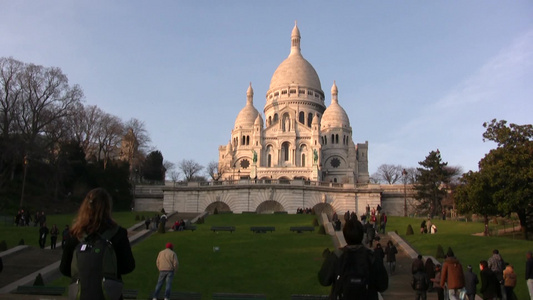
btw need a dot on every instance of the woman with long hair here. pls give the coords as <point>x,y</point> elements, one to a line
<point>94,218</point>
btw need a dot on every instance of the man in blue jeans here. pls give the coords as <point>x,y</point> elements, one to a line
<point>167,263</point>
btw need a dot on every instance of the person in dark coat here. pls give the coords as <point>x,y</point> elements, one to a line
<point>378,252</point>
<point>420,282</point>
<point>430,270</point>
<point>378,280</point>
<point>436,283</point>
<point>490,286</point>
<point>43,233</point>
<point>529,273</point>
<point>391,252</point>
<point>417,264</point>
<point>471,282</point>
<point>94,216</point>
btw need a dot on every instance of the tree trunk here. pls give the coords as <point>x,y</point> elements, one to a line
<point>522,216</point>
<point>486,231</point>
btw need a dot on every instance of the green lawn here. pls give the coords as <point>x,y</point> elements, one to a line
<point>281,263</point>
<point>13,234</point>
<point>468,249</point>
<point>277,264</point>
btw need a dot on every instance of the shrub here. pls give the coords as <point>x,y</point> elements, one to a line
<point>161,228</point>
<point>216,211</point>
<point>38,280</point>
<point>163,211</point>
<point>450,250</point>
<point>3,245</point>
<point>315,222</point>
<point>21,242</point>
<point>200,220</point>
<point>137,218</point>
<point>409,230</point>
<point>440,252</point>
<point>143,218</point>
<point>321,230</point>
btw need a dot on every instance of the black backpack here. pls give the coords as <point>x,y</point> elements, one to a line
<point>94,269</point>
<point>353,272</point>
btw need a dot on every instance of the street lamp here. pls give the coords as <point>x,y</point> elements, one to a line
<point>24,180</point>
<point>404,173</point>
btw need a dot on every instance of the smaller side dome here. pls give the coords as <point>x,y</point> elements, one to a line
<point>334,116</point>
<point>259,121</point>
<point>247,115</point>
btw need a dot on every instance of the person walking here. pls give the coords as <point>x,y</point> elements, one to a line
<point>452,276</point>
<point>342,266</point>
<point>529,273</point>
<point>54,232</point>
<point>65,235</point>
<point>167,263</point>
<point>496,264</point>
<point>509,278</point>
<point>490,286</point>
<point>436,283</point>
<point>383,218</point>
<point>43,232</point>
<point>471,282</point>
<point>420,282</point>
<point>390,252</point>
<point>94,218</point>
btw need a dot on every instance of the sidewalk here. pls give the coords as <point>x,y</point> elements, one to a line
<point>400,281</point>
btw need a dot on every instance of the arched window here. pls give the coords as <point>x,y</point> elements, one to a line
<point>269,163</point>
<point>336,139</point>
<point>333,139</point>
<point>247,140</point>
<point>303,159</point>
<point>301,117</point>
<point>285,149</point>
<point>243,140</point>
<point>309,119</point>
<point>275,117</point>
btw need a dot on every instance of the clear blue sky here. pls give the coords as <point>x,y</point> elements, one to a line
<point>413,76</point>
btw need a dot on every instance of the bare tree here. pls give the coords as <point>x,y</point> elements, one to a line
<point>174,176</point>
<point>46,97</point>
<point>140,133</point>
<point>10,93</point>
<point>388,173</point>
<point>409,175</point>
<point>169,167</point>
<point>213,171</point>
<point>189,168</point>
<point>109,136</point>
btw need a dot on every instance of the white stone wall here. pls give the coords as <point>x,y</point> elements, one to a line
<point>247,195</point>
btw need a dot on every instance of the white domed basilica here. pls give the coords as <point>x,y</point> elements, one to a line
<point>299,137</point>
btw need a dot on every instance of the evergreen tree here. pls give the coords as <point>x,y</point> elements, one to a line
<point>431,183</point>
<point>153,168</point>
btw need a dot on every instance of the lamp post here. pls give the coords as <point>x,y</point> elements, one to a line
<point>404,174</point>
<point>24,180</point>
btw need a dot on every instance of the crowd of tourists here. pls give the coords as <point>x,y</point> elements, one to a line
<point>497,279</point>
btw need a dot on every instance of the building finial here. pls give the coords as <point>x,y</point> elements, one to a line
<point>250,94</point>
<point>295,40</point>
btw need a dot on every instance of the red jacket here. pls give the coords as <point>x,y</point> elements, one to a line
<point>452,274</point>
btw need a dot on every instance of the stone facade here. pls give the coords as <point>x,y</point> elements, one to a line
<point>269,196</point>
<point>301,138</point>
<point>299,154</point>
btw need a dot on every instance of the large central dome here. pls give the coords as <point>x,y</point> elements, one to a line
<point>295,70</point>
